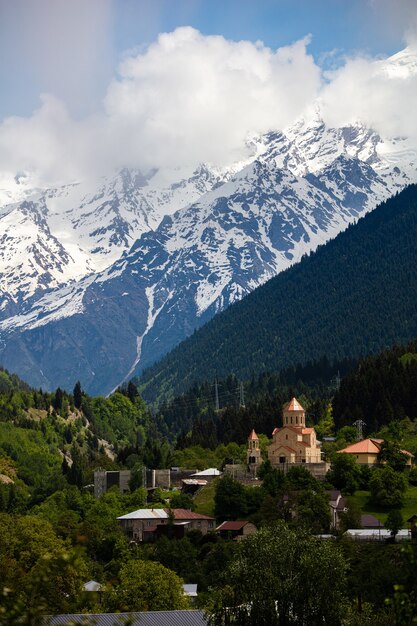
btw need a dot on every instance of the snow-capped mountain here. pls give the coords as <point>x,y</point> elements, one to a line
<point>55,236</point>
<point>223,234</point>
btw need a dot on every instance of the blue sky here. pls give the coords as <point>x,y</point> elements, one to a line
<point>44,43</point>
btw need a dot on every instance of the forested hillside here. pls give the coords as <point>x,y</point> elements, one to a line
<point>50,439</point>
<point>243,405</point>
<point>354,296</point>
<point>381,389</point>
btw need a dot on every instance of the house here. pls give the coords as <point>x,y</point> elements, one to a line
<point>194,521</point>
<point>366,452</point>
<point>236,530</point>
<point>141,525</point>
<point>412,521</point>
<point>294,442</point>
<point>148,618</point>
<point>338,505</point>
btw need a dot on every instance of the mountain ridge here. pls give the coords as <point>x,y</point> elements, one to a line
<point>359,285</point>
<point>299,190</point>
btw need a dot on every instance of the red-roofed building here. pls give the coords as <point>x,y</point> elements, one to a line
<point>144,524</point>
<point>366,452</point>
<point>236,530</point>
<point>294,442</point>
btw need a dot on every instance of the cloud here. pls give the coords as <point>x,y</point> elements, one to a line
<point>382,94</point>
<point>395,19</point>
<point>192,97</point>
<point>189,98</point>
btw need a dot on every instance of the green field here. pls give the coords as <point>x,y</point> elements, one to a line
<point>204,500</point>
<point>361,498</point>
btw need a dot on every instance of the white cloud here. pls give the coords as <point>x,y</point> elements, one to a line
<point>380,93</point>
<point>190,97</point>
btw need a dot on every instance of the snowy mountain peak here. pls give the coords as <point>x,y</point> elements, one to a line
<point>401,65</point>
<point>149,257</point>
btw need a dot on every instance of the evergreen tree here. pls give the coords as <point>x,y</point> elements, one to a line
<point>78,395</point>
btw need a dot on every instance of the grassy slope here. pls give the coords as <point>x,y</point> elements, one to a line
<point>409,508</point>
<point>204,500</point>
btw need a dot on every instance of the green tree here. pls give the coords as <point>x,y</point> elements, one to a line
<point>391,454</point>
<point>58,399</point>
<point>37,567</point>
<point>147,586</point>
<point>345,473</point>
<point>387,487</point>
<point>282,577</point>
<point>394,521</point>
<point>230,499</point>
<point>78,395</point>
<point>182,501</point>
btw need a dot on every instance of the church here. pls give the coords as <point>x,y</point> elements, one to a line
<point>293,443</point>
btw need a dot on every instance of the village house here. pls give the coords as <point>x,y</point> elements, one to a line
<point>338,505</point>
<point>237,530</point>
<point>366,452</point>
<point>141,525</point>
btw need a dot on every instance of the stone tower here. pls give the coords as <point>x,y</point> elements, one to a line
<point>253,454</point>
<point>293,414</point>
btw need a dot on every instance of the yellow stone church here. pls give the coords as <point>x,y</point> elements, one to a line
<point>292,443</point>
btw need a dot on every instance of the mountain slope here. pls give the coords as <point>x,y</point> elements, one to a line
<point>247,225</point>
<point>354,296</point>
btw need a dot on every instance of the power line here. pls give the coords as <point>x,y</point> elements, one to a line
<point>241,396</point>
<point>216,396</point>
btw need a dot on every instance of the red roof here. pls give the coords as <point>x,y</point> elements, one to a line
<point>238,525</point>
<point>368,446</point>
<point>293,405</point>
<point>253,435</point>
<point>185,514</point>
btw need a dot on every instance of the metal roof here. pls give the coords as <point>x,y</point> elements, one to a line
<point>150,618</point>
<point>146,514</point>
<point>293,405</point>
<point>211,471</point>
<point>92,585</point>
